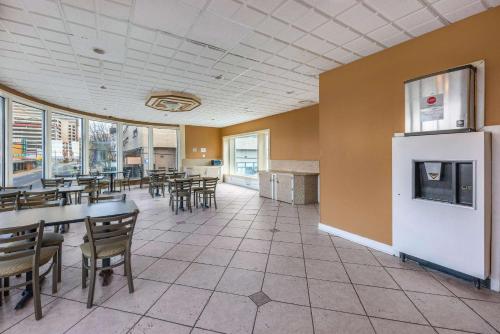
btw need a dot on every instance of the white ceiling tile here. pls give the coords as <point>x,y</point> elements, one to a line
<point>384,33</point>
<point>48,22</point>
<point>113,25</point>
<point>397,39</point>
<point>363,46</point>
<point>314,44</point>
<point>361,19</point>
<point>415,19</point>
<point>335,33</point>
<point>289,35</point>
<point>311,20</point>
<point>465,11</point>
<point>272,26</point>
<point>80,16</point>
<point>224,8</point>
<point>341,55</point>
<point>114,9</point>
<point>426,27</point>
<point>332,7</point>
<point>395,9</point>
<point>248,16</point>
<point>266,6</point>
<point>290,11</point>
<point>48,8</point>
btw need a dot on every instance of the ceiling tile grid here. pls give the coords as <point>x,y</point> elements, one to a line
<point>245,59</point>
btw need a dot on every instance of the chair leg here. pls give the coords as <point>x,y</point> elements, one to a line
<point>215,202</point>
<point>177,205</point>
<point>129,273</point>
<point>90,299</point>
<point>6,284</point>
<point>59,264</point>
<point>36,293</point>
<point>84,272</point>
<point>55,272</point>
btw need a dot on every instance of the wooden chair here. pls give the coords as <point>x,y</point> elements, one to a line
<point>124,181</point>
<point>20,188</point>
<point>108,198</point>
<point>90,184</point>
<point>208,191</point>
<point>172,170</point>
<point>181,191</point>
<point>21,252</point>
<point>8,202</point>
<point>108,237</point>
<point>140,178</point>
<point>52,183</point>
<point>50,239</point>
<point>156,183</point>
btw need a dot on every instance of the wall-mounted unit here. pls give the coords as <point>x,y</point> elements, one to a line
<point>442,200</point>
<point>441,102</point>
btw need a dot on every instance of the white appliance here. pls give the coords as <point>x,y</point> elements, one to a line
<point>440,220</point>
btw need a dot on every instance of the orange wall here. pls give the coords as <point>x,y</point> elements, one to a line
<point>201,136</point>
<point>294,135</point>
<point>362,105</point>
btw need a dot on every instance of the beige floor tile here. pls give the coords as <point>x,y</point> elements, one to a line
<point>320,253</point>
<point>418,281</point>
<point>203,276</point>
<point>187,228</point>
<point>225,242</point>
<point>259,234</point>
<point>344,243</point>
<point>254,245</point>
<point>394,261</point>
<point>389,304</point>
<point>101,293</point>
<point>144,296</point>
<point>263,225</point>
<point>234,232</point>
<point>326,270</point>
<point>331,322</point>
<point>184,252</point>
<point>228,314</point>
<point>250,261</point>
<point>384,326</point>
<point>105,320</point>
<point>202,331</point>
<point>164,270</point>
<point>488,311</point>
<point>198,239</point>
<point>279,318</point>
<point>317,240</point>
<point>154,248</point>
<point>287,237</point>
<point>210,230</point>
<point>370,275</point>
<point>286,265</point>
<point>284,227</point>
<point>241,281</point>
<point>215,256</point>
<point>286,249</point>
<point>171,236</point>
<point>154,326</point>
<point>52,321</point>
<point>358,256</point>
<point>148,234</point>
<point>180,304</point>
<point>139,264</point>
<point>286,289</point>
<point>334,296</point>
<point>449,312</point>
<point>240,223</point>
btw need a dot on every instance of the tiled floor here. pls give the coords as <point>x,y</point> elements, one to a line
<point>254,266</point>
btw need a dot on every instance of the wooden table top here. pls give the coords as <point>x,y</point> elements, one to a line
<point>65,214</point>
<point>60,189</point>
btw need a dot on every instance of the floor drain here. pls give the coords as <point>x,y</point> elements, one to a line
<point>260,298</point>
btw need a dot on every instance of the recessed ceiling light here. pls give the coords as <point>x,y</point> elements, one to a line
<point>290,92</point>
<point>103,87</point>
<point>213,119</point>
<point>99,51</point>
<point>218,77</point>
<point>105,108</point>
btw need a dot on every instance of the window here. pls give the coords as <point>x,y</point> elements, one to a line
<point>27,145</point>
<point>246,154</point>
<point>165,148</point>
<point>135,150</point>
<point>102,146</point>
<point>2,146</point>
<point>66,145</point>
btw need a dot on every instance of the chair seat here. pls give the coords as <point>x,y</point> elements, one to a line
<point>197,188</point>
<point>52,239</point>
<point>25,264</point>
<point>105,251</point>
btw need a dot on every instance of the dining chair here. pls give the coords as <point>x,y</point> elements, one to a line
<point>108,198</point>
<point>108,237</point>
<point>31,199</point>
<point>156,183</point>
<point>90,184</point>
<point>20,188</point>
<point>181,191</point>
<point>22,252</point>
<point>52,183</point>
<point>208,192</point>
<point>50,239</point>
<point>8,202</point>
<point>124,181</point>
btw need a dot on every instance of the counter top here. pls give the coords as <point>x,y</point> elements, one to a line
<point>289,172</point>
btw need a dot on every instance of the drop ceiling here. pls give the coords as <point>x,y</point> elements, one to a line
<point>244,59</point>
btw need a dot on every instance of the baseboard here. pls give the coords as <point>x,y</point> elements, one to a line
<point>357,239</point>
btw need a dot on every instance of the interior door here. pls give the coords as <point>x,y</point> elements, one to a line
<point>284,187</point>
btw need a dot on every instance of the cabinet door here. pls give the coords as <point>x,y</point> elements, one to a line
<point>265,185</point>
<point>284,187</point>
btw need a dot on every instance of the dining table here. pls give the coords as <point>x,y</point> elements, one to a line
<point>111,175</point>
<point>57,215</point>
<point>65,191</point>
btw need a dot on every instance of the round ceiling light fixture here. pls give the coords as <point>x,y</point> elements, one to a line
<point>173,101</point>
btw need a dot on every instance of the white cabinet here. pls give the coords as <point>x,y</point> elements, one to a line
<point>266,184</point>
<point>284,187</point>
<point>289,187</point>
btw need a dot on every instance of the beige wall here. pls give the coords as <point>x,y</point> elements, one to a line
<point>362,105</point>
<point>294,135</point>
<point>201,136</point>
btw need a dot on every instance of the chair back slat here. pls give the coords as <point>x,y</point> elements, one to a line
<point>9,202</point>
<point>52,183</point>
<point>210,183</point>
<point>107,198</point>
<point>183,185</point>
<point>18,242</point>
<point>49,195</point>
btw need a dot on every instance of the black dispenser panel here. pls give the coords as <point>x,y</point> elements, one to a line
<point>444,181</point>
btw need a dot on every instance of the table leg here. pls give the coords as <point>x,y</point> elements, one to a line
<point>182,203</point>
<point>27,293</point>
<point>107,273</point>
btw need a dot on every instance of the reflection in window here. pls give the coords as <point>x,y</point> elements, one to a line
<point>27,145</point>
<point>2,147</point>
<point>66,144</point>
<point>245,157</point>
<point>102,146</point>
<point>165,148</point>
<point>135,150</point>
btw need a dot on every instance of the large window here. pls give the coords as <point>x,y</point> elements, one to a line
<point>27,144</point>
<point>165,148</point>
<point>2,146</point>
<point>102,146</point>
<point>135,150</point>
<point>246,154</point>
<point>66,145</point>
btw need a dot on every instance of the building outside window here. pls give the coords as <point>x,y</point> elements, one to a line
<point>2,146</point>
<point>135,150</point>
<point>66,145</point>
<point>27,145</point>
<point>165,148</point>
<point>246,154</point>
<point>102,146</point>
<point>246,157</point>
